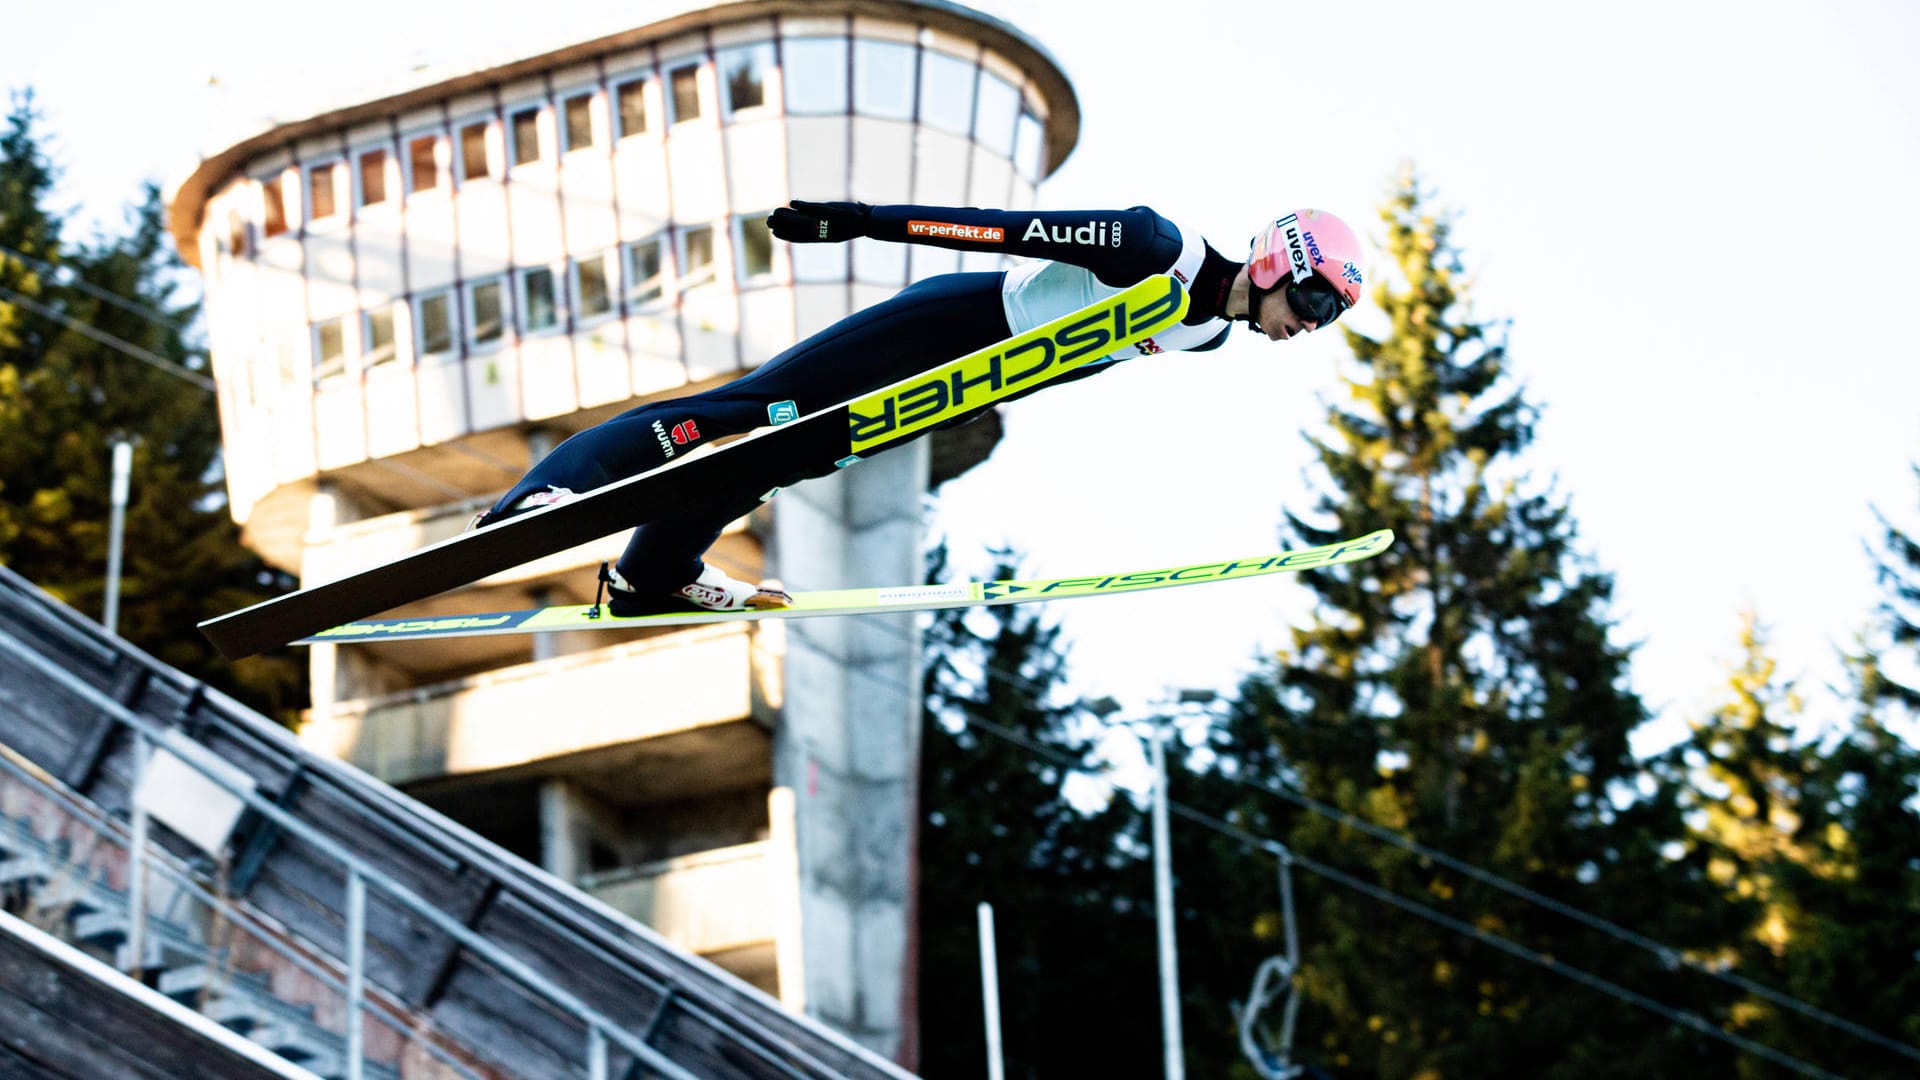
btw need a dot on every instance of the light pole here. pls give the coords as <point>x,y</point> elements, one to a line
<point>990,992</point>
<point>1158,731</point>
<point>1163,910</point>
<point>122,473</point>
<point>1176,1066</point>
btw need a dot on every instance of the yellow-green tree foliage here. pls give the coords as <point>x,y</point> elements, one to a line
<point>1464,689</point>
<point>65,398</point>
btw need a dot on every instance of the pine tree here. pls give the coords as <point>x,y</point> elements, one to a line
<point>1898,567</point>
<point>66,396</point>
<point>1849,904</point>
<point>1847,889</point>
<point>1072,898</point>
<point>27,229</point>
<point>1751,775</point>
<point>1463,688</point>
<point>1747,776</point>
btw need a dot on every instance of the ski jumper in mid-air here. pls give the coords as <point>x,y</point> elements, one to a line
<point>1302,272</point>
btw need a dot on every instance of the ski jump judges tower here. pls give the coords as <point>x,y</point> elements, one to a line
<point>412,297</point>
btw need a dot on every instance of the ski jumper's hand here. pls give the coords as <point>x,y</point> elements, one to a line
<point>820,223</point>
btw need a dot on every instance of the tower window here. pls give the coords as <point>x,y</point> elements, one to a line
<point>686,92</point>
<point>423,163</point>
<point>526,136</point>
<point>579,115</point>
<point>473,151</point>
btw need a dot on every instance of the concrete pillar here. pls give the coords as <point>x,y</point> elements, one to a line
<point>783,866</point>
<point>566,828</point>
<point>848,746</point>
<point>327,509</point>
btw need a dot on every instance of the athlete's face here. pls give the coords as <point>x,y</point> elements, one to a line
<point>1278,320</point>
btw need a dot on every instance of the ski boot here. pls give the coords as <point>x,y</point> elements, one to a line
<point>713,590</point>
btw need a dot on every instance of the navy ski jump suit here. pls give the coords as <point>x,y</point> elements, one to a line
<point>1087,255</point>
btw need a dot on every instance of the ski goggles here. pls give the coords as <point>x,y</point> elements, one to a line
<point>1315,300</point>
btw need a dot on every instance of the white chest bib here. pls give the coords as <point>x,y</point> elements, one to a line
<point>1040,292</point>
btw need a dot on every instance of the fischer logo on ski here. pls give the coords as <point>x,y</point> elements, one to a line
<point>423,627</point>
<point>1037,356</point>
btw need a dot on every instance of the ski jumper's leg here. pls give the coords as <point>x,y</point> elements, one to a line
<point>927,323</point>
<point>634,442</point>
<point>922,325</point>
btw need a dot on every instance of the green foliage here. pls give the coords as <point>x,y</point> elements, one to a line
<point>26,180</point>
<point>65,398</point>
<point>1815,842</point>
<point>1851,886</point>
<point>1463,688</point>
<point>1898,569</point>
<point>1822,836</point>
<point>1072,908</point>
<point>1744,776</point>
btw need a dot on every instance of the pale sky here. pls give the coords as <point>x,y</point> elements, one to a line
<point>1696,215</point>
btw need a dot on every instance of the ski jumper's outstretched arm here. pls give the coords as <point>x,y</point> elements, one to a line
<point>1098,250</point>
<point>1119,247</point>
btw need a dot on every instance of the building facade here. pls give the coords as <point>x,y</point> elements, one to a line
<point>410,299</point>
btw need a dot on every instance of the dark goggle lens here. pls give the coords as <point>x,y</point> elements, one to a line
<point>1315,301</point>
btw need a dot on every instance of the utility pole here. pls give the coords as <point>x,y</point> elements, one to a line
<point>990,992</point>
<point>122,474</point>
<point>1163,910</point>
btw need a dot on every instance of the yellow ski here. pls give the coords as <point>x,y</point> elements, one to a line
<point>862,601</point>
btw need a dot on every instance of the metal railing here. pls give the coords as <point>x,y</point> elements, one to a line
<point>149,734</point>
<point>148,933</point>
<point>688,1007</point>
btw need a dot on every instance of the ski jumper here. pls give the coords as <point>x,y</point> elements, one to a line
<point>1084,256</point>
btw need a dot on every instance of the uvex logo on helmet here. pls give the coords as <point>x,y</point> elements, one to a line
<point>1289,228</point>
<point>1313,249</point>
<point>1306,243</point>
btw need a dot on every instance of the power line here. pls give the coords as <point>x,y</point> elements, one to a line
<point>1667,954</point>
<point>143,355</point>
<point>1414,907</point>
<point>75,281</point>
<point>1607,986</point>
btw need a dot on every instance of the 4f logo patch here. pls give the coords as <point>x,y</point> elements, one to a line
<point>684,433</point>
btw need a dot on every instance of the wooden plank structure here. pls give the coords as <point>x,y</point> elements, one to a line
<point>63,1014</point>
<point>66,692</point>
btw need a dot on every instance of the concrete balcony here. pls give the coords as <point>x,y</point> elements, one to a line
<point>704,693</point>
<point>731,905</point>
<point>709,902</point>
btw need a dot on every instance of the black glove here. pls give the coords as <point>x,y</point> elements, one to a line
<point>820,223</point>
